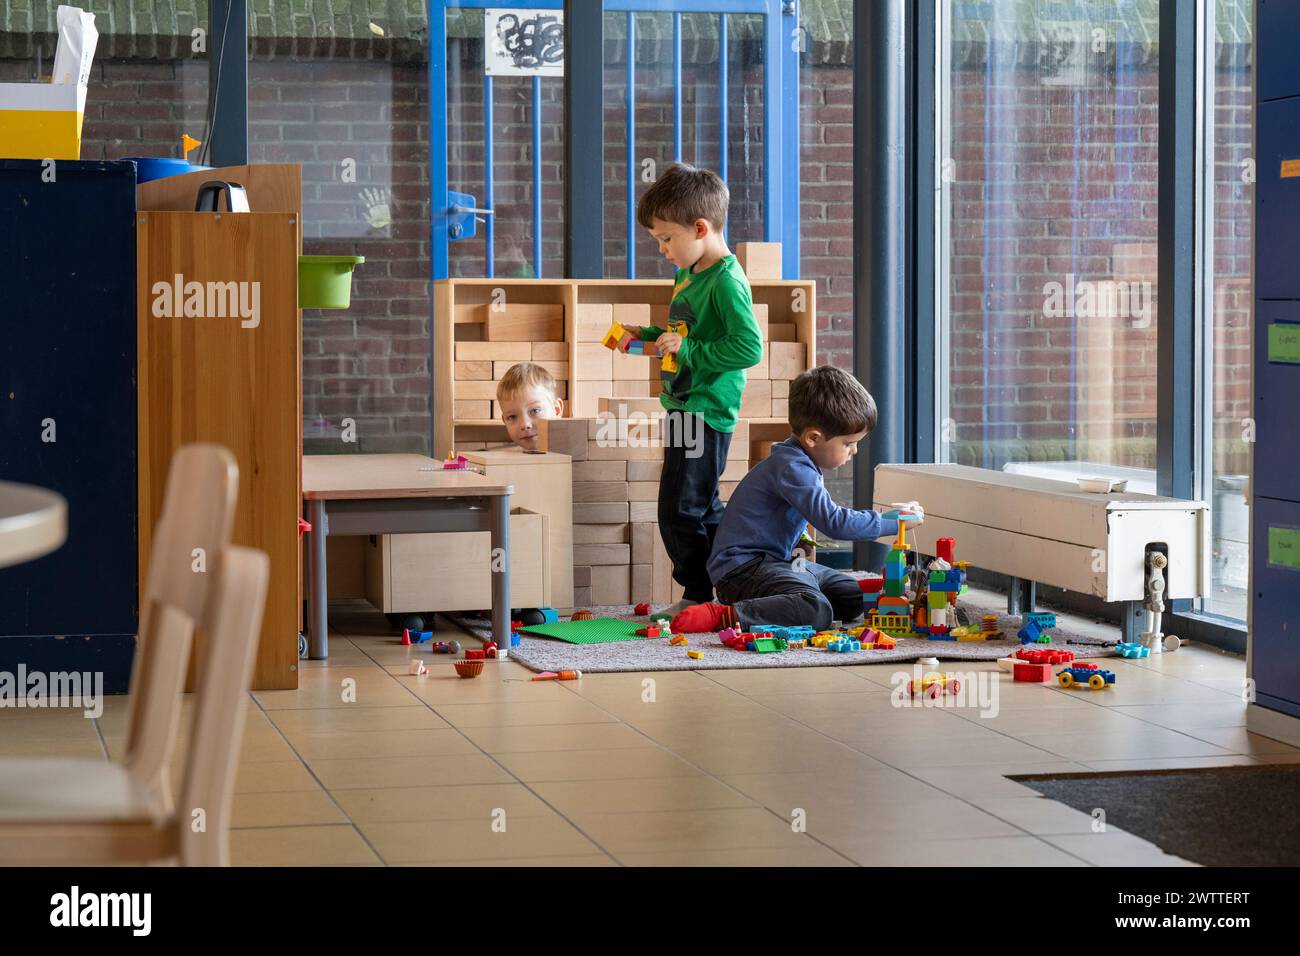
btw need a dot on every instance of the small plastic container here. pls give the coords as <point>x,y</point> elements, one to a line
<point>468,668</point>
<point>325,282</point>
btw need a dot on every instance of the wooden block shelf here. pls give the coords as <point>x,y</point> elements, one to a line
<point>482,328</point>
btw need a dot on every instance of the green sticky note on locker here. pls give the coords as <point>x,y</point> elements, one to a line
<point>1284,342</point>
<point>1284,547</point>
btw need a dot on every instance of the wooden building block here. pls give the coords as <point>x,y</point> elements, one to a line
<point>525,322</point>
<point>631,407</point>
<point>475,409</point>
<point>599,555</point>
<point>600,471</point>
<point>739,447</point>
<point>781,388</point>
<point>611,584</point>
<point>762,449</point>
<point>658,316</point>
<point>593,363</point>
<point>630,368</point>
<point>599,491</point>
<point>643,583</point>
<point>759,260</point>
<point>592,320</point>
<point>568,436</point>
<point>644,534</point>
<point>474,371</point>
<point>763,368</point>
<point>632,316</point>
<point>603,512</point>
<point>586,404</point>
<point>643,490</point>
<point>550,351</point>
<point>783,332</point>
<point>663,573</point>
<point>757,400</point>
<point>582,597</point>
<point>599,450</point>
<point>637,388</point>
<point>581,574</point>
<point>644,470</point>
<point>601,533</point>
<point>475,391</point>
<point>760,318</point>
<point>788,359</point>
<point>726,488</point>
<point>494,351</point>
<point>736,469</point>
<point>559,370</point>
<point>643,511</point>
<point>780,408</point>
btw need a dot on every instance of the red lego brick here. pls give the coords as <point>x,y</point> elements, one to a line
<point>1033,673</point>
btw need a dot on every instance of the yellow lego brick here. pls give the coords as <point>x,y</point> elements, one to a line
<point>695,655</point>
<point>614,336</point>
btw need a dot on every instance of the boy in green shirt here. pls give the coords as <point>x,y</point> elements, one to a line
<point>684,212</point>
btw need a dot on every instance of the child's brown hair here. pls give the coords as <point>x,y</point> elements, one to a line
<point>525,375</point>
<point>832,401</point>
<point>684,194</point>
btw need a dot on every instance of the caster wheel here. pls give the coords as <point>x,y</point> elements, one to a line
<point>302,646</point>
<point>529,617</point>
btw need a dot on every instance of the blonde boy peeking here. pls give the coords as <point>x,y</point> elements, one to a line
<point>526,395</point>
<point>684,212</point>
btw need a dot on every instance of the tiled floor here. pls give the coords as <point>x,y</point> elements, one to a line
<point>364,765</point>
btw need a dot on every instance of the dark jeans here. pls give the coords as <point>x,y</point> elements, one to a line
<point>767,591</point>
<point>689,506</point>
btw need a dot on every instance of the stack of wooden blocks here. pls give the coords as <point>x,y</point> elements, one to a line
<point>512,332</point>
<point>607,374</point>
<point>767,388</point>
<point>618,555</point>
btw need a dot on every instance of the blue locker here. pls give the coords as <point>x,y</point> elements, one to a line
<point>1275,504</point>
<point>68,356</point>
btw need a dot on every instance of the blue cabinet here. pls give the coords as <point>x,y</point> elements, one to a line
<point>68,410</point>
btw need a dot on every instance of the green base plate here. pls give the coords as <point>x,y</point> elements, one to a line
<point>598,630</point>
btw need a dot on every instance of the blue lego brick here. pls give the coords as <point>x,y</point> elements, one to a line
<point>1045,620</point>
<point>549,615</point>
<point>1030,633</point>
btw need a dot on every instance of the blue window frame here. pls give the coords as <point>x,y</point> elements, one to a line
<point>452,213</point>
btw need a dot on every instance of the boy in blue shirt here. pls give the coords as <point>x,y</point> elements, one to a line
<point>751,566</point>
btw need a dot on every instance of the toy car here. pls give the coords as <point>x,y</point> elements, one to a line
<point>932,685</point>
<point>1089,674</point>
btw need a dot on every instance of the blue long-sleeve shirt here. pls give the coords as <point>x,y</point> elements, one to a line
<point>770,509</point>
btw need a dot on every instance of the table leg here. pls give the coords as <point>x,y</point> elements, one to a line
<point>317,583</point>
<point>499,525</point>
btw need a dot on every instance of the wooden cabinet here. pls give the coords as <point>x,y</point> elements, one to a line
<point>220,359</point>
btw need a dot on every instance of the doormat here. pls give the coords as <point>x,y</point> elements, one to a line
<point>655,654</point>
<point>1215,816</point>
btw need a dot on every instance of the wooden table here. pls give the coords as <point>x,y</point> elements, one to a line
<point>33,522</point>
<point>400,494</point>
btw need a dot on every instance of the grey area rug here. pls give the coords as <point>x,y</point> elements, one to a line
<point>1217,816</point>
<point>655,654</point>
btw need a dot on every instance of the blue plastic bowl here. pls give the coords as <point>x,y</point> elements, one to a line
<point>148,168</point>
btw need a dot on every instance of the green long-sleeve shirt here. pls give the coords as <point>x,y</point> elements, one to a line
<point>722,341</point>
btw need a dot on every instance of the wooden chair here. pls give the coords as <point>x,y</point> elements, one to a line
<point>68,811</point>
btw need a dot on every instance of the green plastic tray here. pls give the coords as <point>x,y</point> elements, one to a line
<point>598,630</point>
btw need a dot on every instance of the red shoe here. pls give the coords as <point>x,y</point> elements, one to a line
<point>705,618</point>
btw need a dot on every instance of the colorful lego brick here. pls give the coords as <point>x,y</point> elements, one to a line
<point>1132,650</point>
<point>489,649</point>
<point>650,630</point>
<point>1032,673</point>
<point>727,634</point>
<point>1040,655</point>
<point>797,645</point>
<point>1029,633</point>
<point>549,615</point>
<point>641,609</point>
<point>936,599</point>
<point>1045,620</point>
<point>768,645</point>
<point>475,654</point>
<point>415,637</point>
<point>695,655</point>
<point>843,645</point>
<point>871,585</point>
<point>677,640</point>
<point>1008,664</point>
<point>614,337</point>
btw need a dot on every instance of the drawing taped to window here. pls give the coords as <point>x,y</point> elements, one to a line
<point>523,42</point>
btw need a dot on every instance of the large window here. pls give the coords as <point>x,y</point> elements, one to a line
<point>1047,237</point>
<point>1227,174</point>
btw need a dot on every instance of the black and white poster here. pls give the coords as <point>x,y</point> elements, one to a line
<point>524,42</point>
